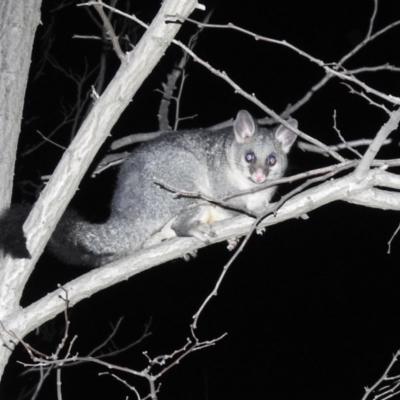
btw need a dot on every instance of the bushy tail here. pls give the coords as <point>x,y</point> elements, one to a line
<point>79,242</point>
<point>12,239</point>
<point>75,241</point>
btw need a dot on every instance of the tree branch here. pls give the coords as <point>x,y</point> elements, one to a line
<point>347,188</point>
<point>377,143</point>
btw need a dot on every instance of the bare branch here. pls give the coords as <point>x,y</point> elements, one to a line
<point>178,192</point>
<point>391,239</point>
<point>385,67</point>
<point>254,100</point>
<point>371,23</point>
<point>110,30</point>
<point>384,393</point>
<point>135,138</point>
<point>369,38</point>
<point>366,97</point>
<point>377,143</point>
<point>113,9</point>
<point>347,146</point>
<point>341,146</point>
<point>346,188</point>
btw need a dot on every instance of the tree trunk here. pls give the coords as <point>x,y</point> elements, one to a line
<point>19,20</point>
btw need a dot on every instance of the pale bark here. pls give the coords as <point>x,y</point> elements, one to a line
<point>19,20</point>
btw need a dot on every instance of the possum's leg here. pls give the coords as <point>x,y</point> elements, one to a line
<point>163,234</point>
<point>197,222</point>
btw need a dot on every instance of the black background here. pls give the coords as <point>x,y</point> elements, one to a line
<point>312,307</point>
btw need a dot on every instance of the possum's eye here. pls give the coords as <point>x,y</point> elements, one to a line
<point>250,156</point>
<point>271,160</point>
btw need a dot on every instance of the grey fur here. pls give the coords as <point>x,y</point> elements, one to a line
<point>144,213</point>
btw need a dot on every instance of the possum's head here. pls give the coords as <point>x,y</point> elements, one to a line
<point>260,154</point>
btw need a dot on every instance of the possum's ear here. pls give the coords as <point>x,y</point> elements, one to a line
<point>285,136</point>
<point>244,126</point>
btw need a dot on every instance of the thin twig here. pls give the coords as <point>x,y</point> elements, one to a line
<point>391,239</point>
<point>109,30</point>
<point>383,378</point>
<point>347,146</point>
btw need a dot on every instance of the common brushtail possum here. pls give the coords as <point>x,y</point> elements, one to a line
<point>214,163</point>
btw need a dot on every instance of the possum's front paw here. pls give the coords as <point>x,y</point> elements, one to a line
<point>203,232</point>
<point>190,255</point>
<point>232,243</point>
<point>261,231</point>
<point>191,224</point>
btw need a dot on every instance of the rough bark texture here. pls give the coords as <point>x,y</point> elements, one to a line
<point>19,20</point>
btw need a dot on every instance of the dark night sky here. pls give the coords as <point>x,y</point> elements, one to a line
<point>312,307</point>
